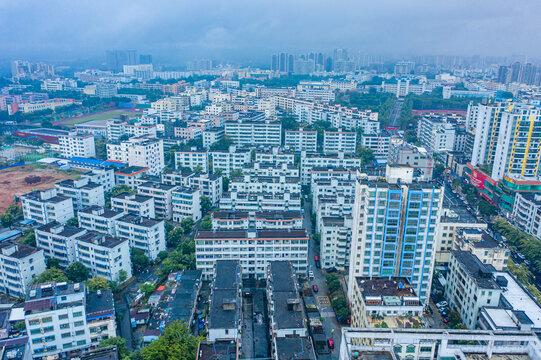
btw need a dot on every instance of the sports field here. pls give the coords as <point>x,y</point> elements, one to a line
<point>103,115</point>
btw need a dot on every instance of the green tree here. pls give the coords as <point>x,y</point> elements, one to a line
<point>198,169</point>
<point>366,155</point>
<point>97,283</point>
<point>438,170</point>
<point>77,272</point>
<point>206,204</point>
<point>289,123</point>
<point>52,263</point>
<point>236,173</point>
<point>124,137</point>
<point>139,260</point>
<point>487,208</point>
<point>147,289</point>
<point>174,237</point>
<point>223,144</point>
<point>455,322</point>
<point>122,276</point>
<point>225,183</point>
<point>74,221</point>
<point>206,223</point>
<point>52,274</point>
<point>120,343</point>
<point>7,219</point>
<point>176,343</point>
<point>187,224</point>
<point>28,238</point>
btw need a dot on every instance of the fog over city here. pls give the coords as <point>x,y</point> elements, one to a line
<point>252,30</point>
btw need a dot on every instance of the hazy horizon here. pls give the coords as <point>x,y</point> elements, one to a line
<point>175,32</point>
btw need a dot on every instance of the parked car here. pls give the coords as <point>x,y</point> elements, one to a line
<point>310,274</point>
<point>315,288</point>
<point>330,343</point>
<point>331,270</point>
<point>316,258</point>
<point>318,264</point>
<point>442,304</point>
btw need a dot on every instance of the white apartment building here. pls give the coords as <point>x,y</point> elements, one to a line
<point>403,87</point>
<point>489,248</point>
<point>261,169</point>
<point>417,157</point>
<point>274,156</point>
<point>527,213</point>
<point>19,264</point>
<point>436,133</point>
<point>227,160</point>
<point>77,145</point>
<point>104,177</point>
<point>209,185</point>
<point>46,206</point>
<point>58,242</point>
<point>143,233</point>
<point>212,136</point>
<point>186,203</point>
<point>301,140</point>
<point>335,142</point>
<point>140,151</point>
<point>117,127</point>
<point>192,160</point>
<point>335,242</point>
<point>470,286</point>
<point>242,201</point>
<point>394,232</point>
<point>139,205</point>
<point>82,191</point>
<point>100,316</point>
<point>55,317</point>
<point>245,132</point>
<point>379,143</point>
<point>265,184</point>
<point>339,161</point>
<point>99,219</point>
<point>130,176</point>
<point>162,194</point>
<point>253,248</point>
<point>104,255</point>
<point>351,122</point>
<point>264,220</point>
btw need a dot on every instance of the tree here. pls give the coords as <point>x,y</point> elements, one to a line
<point>455,322</point>
<point>77,272</point>
<point>117,190</point>
<point>487,208</point>
<point>289,123</point>
<point>120,343</point>
<point>236,173</point>
<point>206,223</point>
<point>52,274</point>
<point>206,204</point>
<point>98,283</point>
<point>366,155</point>
<point>122,276</point>
<point>74,221</point>
<point>225,183</point>
<point>176,343</point>
<point>28,238</point>
<point>198,169</point>
<point>223,144</point>
<point>7,219</point>
<point>124,137</point>
<point>438,170</point>
<point>187,224</point>
<point>139,260</point>
<point>52,263</point>
<point>162,255</point>
<point>147,289</point>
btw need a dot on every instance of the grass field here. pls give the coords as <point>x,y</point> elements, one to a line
<point>99,116</point>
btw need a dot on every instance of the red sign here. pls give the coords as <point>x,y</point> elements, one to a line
<point>478,179</point>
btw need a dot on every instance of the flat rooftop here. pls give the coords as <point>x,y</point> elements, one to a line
<point>101,239</point>
<point>219,350</point>
<point>295,348</point>
<point>386,286</point>
<point>255,234</point>
<point>132,197</point>
<point>479,272</point>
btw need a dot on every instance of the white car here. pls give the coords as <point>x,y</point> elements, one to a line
<point>442,304</point>
<point>310,274</point>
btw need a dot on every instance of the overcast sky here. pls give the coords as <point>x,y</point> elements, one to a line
<point>179,30</point>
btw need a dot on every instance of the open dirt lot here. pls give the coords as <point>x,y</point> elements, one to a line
<point>12,181</point>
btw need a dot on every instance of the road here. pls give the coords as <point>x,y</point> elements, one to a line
<point>394,119</point>
<point>330,324</point>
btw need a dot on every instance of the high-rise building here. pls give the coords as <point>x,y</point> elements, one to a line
<point>274,62</point>
<point>394,231</point>
<point>145,59</point>
<point>116,59</point>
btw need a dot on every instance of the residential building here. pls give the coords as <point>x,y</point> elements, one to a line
<point>139,205</point>
<point>403,87</point>
<point>379,143</point>
<point>19,264</point>
<point>77,145</point>
<point>228,160</point>
<point>301,140</point>
<point>104,177</point>
<point>383,299</point>
<point>162,194</point>
<point>225,305</point>
<point>104,255</point>
<point>394,231</point>
<point>143,233</point>
<point>99,219</point>
<point>470,286</point>
<point>335,242</point>
<point>46,206</point>
<point>193,160</point>
<point>248,132</point>
<point>209,185</point>
<point>410,155</point>
<point>269,220</point>
<point>116,128</point>
<point>139,151</point>
<point>55,318</point>
<point>186,202</point>
<point>275,156</point>
<point>489,248</point>
<point>253,248</point>
<point>58,242</point>
<point>243,201</point>
<point>335,142</point>
<point>527,212</point>
<point>308,162</point>
<point>436,133</point>
<point>288,321</point>
<point>100,318</point>
<point>211,136</point>
<point>130,176</point>
<point>82,191</point>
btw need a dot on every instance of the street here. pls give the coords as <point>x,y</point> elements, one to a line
<point>330,324</point>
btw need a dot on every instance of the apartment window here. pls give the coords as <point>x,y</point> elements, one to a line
<point>66,335</point>
<point>77,314</point>
<point>79,323</point>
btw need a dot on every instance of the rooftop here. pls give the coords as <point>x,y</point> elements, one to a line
<point>101,239</point>
<point>220,350</point>
<point>131,170</point>
<point>132,197</point>
<point>157,185</point>
<point>99,211</point>
<point>17,250</point>
<point>56,228</point>
<point>99,303</point>
<point>252,234</point>
<point>295,348</point>
<point>476,270</point>
<point>138,220</point>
